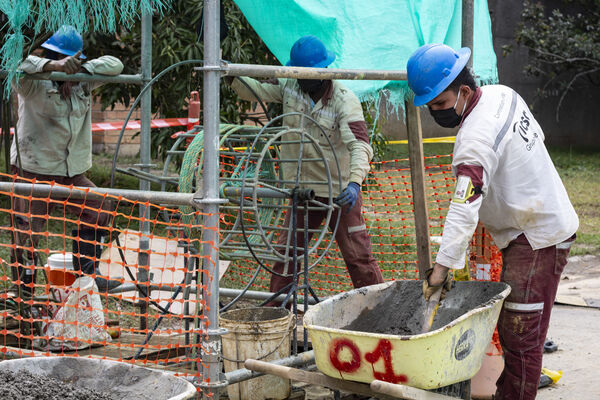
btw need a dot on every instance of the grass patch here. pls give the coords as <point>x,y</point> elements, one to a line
<point>580,173</point>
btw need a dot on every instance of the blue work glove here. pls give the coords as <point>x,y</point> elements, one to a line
<point>348,196</point>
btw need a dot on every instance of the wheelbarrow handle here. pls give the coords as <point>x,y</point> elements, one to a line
<point>315,378</point>
<point>405,392</point>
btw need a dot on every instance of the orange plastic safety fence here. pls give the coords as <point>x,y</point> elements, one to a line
<point>50,303</point>
<point>84,322</point>
<point>388,212</point>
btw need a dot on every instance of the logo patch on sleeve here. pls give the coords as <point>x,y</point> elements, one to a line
<point>463,189</point>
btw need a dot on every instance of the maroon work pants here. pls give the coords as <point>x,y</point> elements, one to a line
<point>351,237</point>
<point>533,276</point>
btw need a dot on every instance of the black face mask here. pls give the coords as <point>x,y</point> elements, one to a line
<point>448,118</point>
<point>310,85</point>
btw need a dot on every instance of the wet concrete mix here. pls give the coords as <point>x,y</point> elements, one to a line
<point>400,311</point>
<point>23,385</point>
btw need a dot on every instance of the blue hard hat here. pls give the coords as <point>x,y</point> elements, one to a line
<point>432,68</point>
<point>65,41</point>
<point>309,51</point>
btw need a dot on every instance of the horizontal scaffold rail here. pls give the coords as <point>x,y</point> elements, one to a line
<point>155,197</point>
<point>80,77</point>
<point>79,192</point>
<point>278,71</point>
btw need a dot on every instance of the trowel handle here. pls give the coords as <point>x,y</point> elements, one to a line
<point>436,296</point>
<point>431,309</point>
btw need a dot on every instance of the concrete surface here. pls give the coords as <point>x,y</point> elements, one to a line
<point>576,330</point>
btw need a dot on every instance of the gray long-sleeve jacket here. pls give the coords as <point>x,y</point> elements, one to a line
<point>340,115</point>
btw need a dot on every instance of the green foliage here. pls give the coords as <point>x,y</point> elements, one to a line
<point>564,48</point>
<point>376,138</point>
<point>174,39</point>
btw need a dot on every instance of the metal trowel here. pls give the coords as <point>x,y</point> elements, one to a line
<point>431,309</point>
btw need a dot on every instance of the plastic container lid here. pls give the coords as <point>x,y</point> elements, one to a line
<point>61,261</point>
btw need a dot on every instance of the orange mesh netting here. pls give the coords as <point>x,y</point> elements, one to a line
<point>46,316</point>
<point>33,326</point>
<point>388,211</point>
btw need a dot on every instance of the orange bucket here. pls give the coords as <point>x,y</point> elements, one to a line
<point>61,271</point>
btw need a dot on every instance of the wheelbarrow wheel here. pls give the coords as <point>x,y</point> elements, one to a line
<point>460,390</point>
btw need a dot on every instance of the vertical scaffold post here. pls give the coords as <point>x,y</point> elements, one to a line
<point>417,178</point>
<point>210,332</point>
<point>145,120</point>
<point>467,41</point>
<point>467,28</point>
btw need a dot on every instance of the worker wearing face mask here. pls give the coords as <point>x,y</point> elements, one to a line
<point>505,179</point>
<point>339,113</point>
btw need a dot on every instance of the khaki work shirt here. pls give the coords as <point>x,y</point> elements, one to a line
<point>340,115</point>
<point>55,134</point>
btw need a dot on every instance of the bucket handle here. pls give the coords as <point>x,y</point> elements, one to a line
<point>289,328</point>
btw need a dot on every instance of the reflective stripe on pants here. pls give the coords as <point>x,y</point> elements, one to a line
<point>352,239</point>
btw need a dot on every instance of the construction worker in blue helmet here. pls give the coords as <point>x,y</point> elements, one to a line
<point>339,114</point>
<point>505,179</point>
<point>54,143</point>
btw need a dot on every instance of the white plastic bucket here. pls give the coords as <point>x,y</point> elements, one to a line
<point>258,333</point>
<point>60,266</point>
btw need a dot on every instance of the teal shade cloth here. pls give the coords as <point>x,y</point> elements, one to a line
<point>374,34</point>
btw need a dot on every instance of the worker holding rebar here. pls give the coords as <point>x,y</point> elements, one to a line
<point>505,179</point>
<point>53,143</point>
<point>339,112</point>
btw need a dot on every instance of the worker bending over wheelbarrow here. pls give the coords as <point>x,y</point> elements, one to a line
<point>340,114</point>
<point>506,179</point>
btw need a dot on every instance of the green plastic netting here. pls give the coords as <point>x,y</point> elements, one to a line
<point>372,34</point>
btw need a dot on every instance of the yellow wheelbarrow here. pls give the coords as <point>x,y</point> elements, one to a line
<point>373,333</point>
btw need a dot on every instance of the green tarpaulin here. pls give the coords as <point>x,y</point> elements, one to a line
<point>375,34</point>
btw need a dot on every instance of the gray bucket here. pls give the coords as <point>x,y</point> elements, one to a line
<point>260,333</point>
<point>120,380</point>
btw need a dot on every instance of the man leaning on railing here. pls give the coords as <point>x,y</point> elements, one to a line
<point>53,142</point>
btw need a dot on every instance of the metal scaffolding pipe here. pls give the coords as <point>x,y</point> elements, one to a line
<point>79,77</point>
<point>244,374</point>
<point>210,363</point>
<point>467,28</point>
<point>237,192</point>
<point>277,71</point>
<point>145,120</point>
<point>79,192</point>
<point>256,295</point>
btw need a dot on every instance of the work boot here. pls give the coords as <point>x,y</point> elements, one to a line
<point>86,257</point>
